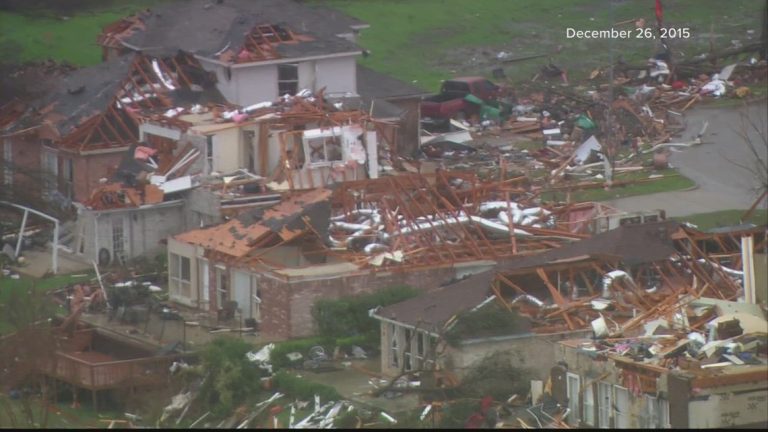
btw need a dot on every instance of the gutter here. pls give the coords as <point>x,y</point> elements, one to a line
<point>372,314</point>
<point>279,61</point>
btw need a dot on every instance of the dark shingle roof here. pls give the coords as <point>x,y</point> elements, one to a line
<point>373,84</point>
<point>430,311</point>
<point>206,27</point>
<point>79,95</point>
<point>632,244</point>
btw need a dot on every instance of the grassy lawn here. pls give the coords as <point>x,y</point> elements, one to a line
<point>706,221</point>
<point>25,282</point>
<point>672,181</point>
<point>60,416</point>
<point>425,41</point>
<point>44,34</point>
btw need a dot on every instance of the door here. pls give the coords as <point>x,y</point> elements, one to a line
<point>604,405</point>
<point>574,389</point>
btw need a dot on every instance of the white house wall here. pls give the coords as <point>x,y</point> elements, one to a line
<point>226,150</point>
<point>337,75</point>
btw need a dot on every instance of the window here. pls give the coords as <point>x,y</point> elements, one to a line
<point>622,408</point>
<point>394,360</point>
<point>408,354</point>
<point>69,177</point>
<point>7,163</point>
<point>421,351</point>
<point>50,170</point>
<point>180,271</point>
<point>604,405</point>
<point>323,149</point>
<point>287,79</point>
<point>205,294</point>
<point>574,388</point>
<point>589,406</point>
<point>209,153</point>
<point>664,414</point>
<point>631,220</point>
<point>651,218</point>
<point>118,239</point>
<point>649,419</point>
<point>256,303</point>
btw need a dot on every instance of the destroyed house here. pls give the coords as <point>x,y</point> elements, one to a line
<point>258,50</point>
<point>410,229</point>
<point>420,334</point>
<point>605,285</point>
<point>627,272</point>
<point>706,372</point>
<point>78,131</point>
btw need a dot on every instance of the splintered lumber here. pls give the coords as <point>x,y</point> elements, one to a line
<point>556,296</point>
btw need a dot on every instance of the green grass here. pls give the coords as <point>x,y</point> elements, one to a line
<point>43,34</point>
<point>672,181</point>
<point>60,416</point>
<point>425,41</point>
<point>706,221</point>
<point>25,282</point>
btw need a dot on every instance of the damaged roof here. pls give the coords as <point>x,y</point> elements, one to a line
<point>207,27</point>
<point>430,311</point>
<point>632,244</point>
<point>286,219</point>
<point>79,95</point>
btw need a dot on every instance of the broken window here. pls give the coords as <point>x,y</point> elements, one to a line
<point>631,220</point>
<point>180,272</point>
<point>324,149</point>
<point>7,163</point>
<point>287,79</point>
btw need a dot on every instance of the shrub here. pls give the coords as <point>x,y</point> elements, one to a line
<point>496,376</point>
<point>302,388</point>
<point>232,378</point>
<point>490,320</point>
<point>348,317</point>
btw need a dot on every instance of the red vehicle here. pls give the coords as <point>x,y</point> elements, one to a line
<point>450,102</point>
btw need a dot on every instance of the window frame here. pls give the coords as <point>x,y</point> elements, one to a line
<point>573,402</point>
<point>178,285</point>
<point>283,81</point>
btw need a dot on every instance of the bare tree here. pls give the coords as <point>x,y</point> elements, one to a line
<point>754,135</point>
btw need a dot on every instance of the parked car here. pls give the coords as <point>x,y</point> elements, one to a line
<point>451,99</point>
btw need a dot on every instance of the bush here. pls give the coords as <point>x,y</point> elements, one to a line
<point>490,320</point>
<point>496,376</point>
<point>232,378</point>
<point>303,389</point>
<point>348,317</point>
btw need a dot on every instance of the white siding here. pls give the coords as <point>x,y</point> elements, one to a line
<point>337,75</point>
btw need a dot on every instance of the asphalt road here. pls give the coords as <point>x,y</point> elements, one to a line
<point>722,184</point>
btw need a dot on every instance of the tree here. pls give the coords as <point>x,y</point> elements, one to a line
<point>24,354</point>
<point>754,135</point>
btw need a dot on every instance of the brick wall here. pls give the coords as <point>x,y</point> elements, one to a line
<point>25,160</point>
<point>286,307</point>
<point>88,169</point>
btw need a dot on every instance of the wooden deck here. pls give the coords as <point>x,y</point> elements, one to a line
<point>96,371</point>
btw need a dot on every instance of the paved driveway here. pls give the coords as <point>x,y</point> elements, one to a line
<point>722,185</point>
